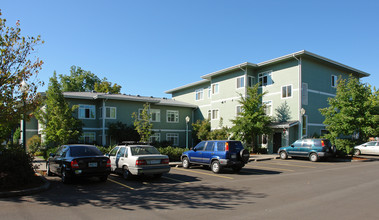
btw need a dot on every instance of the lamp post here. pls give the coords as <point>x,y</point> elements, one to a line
<point>24,89</point>
<point>187,121</point>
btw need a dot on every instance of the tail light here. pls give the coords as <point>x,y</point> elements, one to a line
<point>74,164</point>
<point>165,161</point>
<point>109,163</point>
<point>226,146</point>
<point>140,162</point>
<point>322,143</point>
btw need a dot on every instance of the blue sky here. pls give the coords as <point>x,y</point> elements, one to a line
<point>150,46</point>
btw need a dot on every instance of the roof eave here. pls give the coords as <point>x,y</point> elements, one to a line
<point>238,66</point>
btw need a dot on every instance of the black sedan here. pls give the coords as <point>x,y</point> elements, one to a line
<point>71,161</point>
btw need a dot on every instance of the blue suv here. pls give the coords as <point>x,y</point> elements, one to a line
<point>314,149</point>
<point>217,154</point>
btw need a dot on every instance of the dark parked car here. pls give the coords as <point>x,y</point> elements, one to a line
<point>217,154</point>
<point>71,161</point>
<point>314,149</point>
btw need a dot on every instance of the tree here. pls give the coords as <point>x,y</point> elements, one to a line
<point>283,112</point>
<point>252,121</point>
<point>60,126</point>
<point>81,80</point>
<point>352,112</point>
<point>107,87</point>
<point>202,131</point>
<point>121,132</point>
<point>142,123</point>
<point>16,67</point>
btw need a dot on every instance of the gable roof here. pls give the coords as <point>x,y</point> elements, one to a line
<point>304,53</point>
<point>124,97</point>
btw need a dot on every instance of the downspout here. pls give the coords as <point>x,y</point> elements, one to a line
<point>103,128</point>
<point>300,96</point>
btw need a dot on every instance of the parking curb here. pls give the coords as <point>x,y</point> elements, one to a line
<point>24,192</point>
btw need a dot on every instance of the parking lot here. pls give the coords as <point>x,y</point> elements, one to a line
<point>272,189</point>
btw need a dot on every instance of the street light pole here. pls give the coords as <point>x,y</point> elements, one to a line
<point>24,89</point>
<point>187,121</point>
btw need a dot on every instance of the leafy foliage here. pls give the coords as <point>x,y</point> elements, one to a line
<point>16,67</point>
<point>81,80</point>
<point>121,132</point>
<point>352,112</point>
<point>34,144</point>
<point>283,112</point>
<point>142,123</point>
<point>202,131</point>
<point>252,121</point>
<point>173,153</point>
<point>60,126</point>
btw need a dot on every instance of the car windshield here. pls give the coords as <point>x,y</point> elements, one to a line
<point>143,150</point>
<point>84,151</point>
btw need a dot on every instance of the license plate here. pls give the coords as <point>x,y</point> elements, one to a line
<point>234,156</point>
<point>155,161</point>
<point>92,164</point>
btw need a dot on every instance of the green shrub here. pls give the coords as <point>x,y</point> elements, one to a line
<point>16,167</point>
<point>105,150</point>
<point>48,150</point>
<point>345,146</point>
<point>173,153</point>
<point>34,144</point>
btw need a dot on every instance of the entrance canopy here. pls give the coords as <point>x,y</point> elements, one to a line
<point>286,124</point>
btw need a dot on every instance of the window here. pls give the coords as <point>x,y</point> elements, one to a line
<point>334,81</point>
<point>250,81</point>
<point>87,112</point>
<point>88,137</point>
<point>265,78</point>
<point>172,116</point>
<point>110,112</point>
<point>121,152</point>
<point>287,91</point>
<point>156,137</point>
<point>240,82</point>
<point>268,107</point>
<point>209,92</point>
<point>214,88</point>
<point>239,109</point>
<point>199,94</point>
<point>114,151</point>
<point>305,125</point>
<point>215,114</point>
<point>155,115</point>
<point>173,138</point>
<point>210,146</point>
<point>209,114</point>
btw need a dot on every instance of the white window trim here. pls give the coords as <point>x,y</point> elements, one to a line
<point>250,78</point>
<point>335,81</point>
<point>84,106</point>
<point>287,97</point>
<point>176,116</point>
<point>209,92</point>
<point>157,136</point>
<point>110,107</point>
<point>92,133</point>
<point>176,138</point>
<point>218,89</point>
<point>156,111</point>
<point>240,106</point>
<point>267,73</point>
<point>239,80</point>
<point>271,105</point>
<point>209,113</point>
<point>218,114</point>
<point>201,91</point>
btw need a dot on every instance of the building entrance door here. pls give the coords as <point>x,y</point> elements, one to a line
<point>277,142</point>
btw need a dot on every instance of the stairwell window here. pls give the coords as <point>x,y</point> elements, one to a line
<point>87,112</point>
<point>287,91</point>
<point>110,112</point>
<point>240,82</point>
<point>334,81</point>
<point>264,78</point>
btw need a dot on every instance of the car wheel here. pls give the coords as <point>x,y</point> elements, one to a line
<point>103,178</point>
<point>245,156</point>
<point>126,173</point>
<point>49,173</point>
<point>283,155</point>
<point>357,152</point>
<point>215,167</point>
<point>313,157</point>
<point>65,178</point>
<point>185,162</point>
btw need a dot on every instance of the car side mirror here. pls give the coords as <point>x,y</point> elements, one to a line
<point>292,145</point>
<point>107,155</point>
<point>194,149</point>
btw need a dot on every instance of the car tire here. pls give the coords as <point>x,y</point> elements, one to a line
<point>185,163</point>
<point>65,178</point>
<point>244,155</point>
<point>357,152</point>
<point>48,172</point>
<point>126,173</point>
<point>283,155</point>
<point>215,166</point>
<point>313,157</point>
